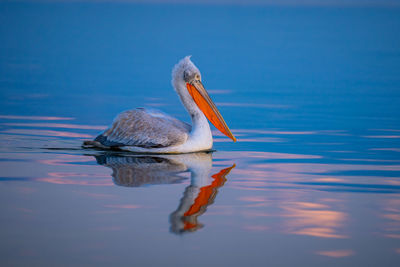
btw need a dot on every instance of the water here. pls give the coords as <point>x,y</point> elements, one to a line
<point>312,94</point>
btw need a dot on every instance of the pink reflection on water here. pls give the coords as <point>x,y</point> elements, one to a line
<point>391,212</point>
<point>237,155</point>
<point>252,140</point>
<point>47,133</point>
<point>250,183</point>
<point>34,118</point>
<point>324,168</point>
<point>253,135</point>
<point>254,198</point>
<point>65,160</point>
<point>336,253</point>
<point>258,177</point>
<point>382,136</point>
<point>255,201</point>
<point>322,218</point>
<point>312,219</point>
<point>392,182</point>
<point>58,125</point>
<point>71,178</point>
<point>394,217</point>
<point>397,236</point>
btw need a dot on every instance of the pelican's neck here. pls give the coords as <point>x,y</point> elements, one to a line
<point>200,126</point>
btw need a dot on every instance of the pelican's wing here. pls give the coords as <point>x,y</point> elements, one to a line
<point>146,128</point>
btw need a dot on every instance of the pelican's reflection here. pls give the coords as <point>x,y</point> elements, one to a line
<point>140,170</point>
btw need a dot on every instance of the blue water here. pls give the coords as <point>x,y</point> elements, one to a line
<point>311,93</point>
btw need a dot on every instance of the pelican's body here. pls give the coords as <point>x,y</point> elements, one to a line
<point>152,131</point>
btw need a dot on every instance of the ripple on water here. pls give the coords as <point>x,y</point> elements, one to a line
<point>287,186</point>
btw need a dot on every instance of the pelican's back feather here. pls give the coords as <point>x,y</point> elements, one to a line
<point>147,128</point>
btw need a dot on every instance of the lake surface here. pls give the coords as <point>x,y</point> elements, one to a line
<point>312,94</point>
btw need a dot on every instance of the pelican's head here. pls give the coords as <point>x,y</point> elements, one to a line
<point>184,72</point>
<point>186,79</point>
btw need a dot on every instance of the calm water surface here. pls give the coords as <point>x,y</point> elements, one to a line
<point>312,94</point>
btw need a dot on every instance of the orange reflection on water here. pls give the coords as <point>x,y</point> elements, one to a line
<point>312,219</point>
<point>185,218</point>
<point>336,253</point>
<point>204,198</point>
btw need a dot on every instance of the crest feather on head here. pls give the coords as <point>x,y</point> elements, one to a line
<point>185,64</point>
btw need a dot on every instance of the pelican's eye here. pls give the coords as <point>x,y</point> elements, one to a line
<point>197,77</point>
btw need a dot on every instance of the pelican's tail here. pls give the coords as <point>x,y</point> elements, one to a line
<point>93,144</point>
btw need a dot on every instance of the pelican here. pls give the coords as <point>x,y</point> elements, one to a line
<point>152,131</point>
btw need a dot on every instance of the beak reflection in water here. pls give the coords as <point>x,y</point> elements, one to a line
<point>142,170</point>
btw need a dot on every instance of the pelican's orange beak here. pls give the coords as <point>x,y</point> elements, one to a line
<point>207,106</point>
